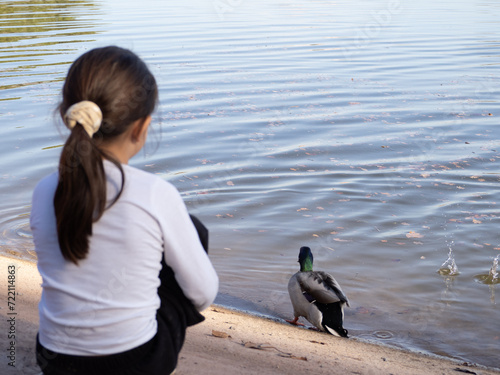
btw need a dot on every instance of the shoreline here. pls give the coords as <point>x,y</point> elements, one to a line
<point>276,347</point>
<point>230,340</point>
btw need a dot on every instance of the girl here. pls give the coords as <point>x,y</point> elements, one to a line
<point>123,269</point>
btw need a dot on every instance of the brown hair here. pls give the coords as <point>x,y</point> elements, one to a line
<point>120,83</point>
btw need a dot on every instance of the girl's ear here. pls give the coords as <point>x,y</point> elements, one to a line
<point>140,129</point>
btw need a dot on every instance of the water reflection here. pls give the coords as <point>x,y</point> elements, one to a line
<point>449,295</point>
<point>33,36</point>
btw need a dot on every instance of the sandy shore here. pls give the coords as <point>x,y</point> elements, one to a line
<point>227,342</point>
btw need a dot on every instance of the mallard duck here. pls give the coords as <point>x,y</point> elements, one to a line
<point>316,296</point>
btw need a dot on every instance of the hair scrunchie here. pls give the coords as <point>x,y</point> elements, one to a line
<point>87,114</point>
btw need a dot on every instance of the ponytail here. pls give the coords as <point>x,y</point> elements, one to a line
<point>80,197</point>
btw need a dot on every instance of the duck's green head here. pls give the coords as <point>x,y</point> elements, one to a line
<point>305,259</point>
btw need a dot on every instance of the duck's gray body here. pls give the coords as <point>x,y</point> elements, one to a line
<point>316,296</point>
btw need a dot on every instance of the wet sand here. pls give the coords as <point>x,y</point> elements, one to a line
<point>231,342</point>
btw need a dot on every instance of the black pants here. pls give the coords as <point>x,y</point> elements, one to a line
<point>157,356</point>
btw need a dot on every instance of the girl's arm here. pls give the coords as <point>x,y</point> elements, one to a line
<point>186,256</point>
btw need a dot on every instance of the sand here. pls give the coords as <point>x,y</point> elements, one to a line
<point>228,342</point>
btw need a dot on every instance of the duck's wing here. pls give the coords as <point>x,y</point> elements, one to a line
<point>321,287</point>
<point>299,303</point>
<point>294,287</point>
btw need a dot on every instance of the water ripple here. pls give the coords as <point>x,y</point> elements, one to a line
<point>16,239</point>
<point>369,136</point>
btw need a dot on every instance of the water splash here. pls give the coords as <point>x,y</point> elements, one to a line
<point>449,267</point>
<point>493,271</point>
<point>491,278</point>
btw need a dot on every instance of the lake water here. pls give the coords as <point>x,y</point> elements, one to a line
<point>363,129</point>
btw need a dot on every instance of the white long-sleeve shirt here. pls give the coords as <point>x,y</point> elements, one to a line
<point>107,303</point>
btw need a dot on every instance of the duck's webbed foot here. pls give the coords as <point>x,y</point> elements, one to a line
<point>294,322</point>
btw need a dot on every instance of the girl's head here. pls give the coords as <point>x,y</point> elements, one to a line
<point>118,81</point>
<point>112,89</point>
